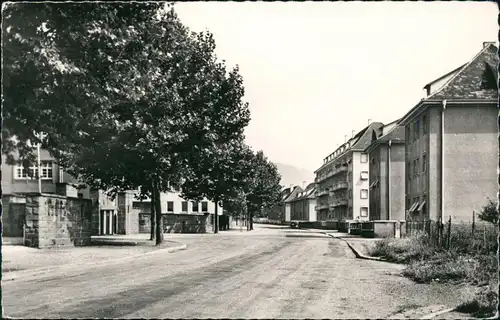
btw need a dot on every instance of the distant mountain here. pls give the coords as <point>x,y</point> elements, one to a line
<point>293,175</point>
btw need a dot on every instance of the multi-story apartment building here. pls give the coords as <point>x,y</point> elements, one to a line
<point>452,142</point>
<point>342,180</point>
<point>303,207</point>
<point>387,173</point>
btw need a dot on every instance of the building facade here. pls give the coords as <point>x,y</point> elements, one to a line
<point>121,215</point>
<point>452,142</point>
<point>288,202</point>
<point>343,179</point>
<point>387,174</point>
<point>277,212</point>
<point>303,207</point>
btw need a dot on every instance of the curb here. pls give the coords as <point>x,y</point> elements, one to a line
<point>438,313</point>
<point>36,273</point>
<point>358,254</point>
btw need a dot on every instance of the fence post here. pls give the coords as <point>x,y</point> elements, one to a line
<point>473,222</point>
<point>449,233</point>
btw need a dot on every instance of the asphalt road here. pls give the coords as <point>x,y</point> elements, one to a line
<point>266,273</point>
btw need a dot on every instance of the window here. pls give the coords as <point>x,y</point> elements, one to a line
<point>364,193</point>
<point>408,170</point>
<point>424,163</point>
<point>408,203</point>
<point>170,206</point>
<point>417,129</point>
<point>408,133</point>
<point>364,157</point>
<point>204,206</point>
<point>184,206</point>
<point>418,166</point>
<point>364,175</point>
<point>195,206</point>
<point>32,172</point>
<point>363,212</point>
<point>415,167</point>
<point>424,125</point>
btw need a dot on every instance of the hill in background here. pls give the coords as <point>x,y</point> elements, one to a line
<point>293,175</point>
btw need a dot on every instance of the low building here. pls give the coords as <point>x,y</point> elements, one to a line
<point>452,142</point>
<point>303,206</point>
<point>288,203</point>
<point>277,212</point>
<point>173,204</point>
<point>387,173</point>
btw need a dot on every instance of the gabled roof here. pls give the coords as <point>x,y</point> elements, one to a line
<point>468,82</point>
<point>444,76</point>
<point>396,134</point>
<point>359,142</point>
<point>365,136</point>
<point>476,81</point>
<point>307,193</point>
<point>293,194</point>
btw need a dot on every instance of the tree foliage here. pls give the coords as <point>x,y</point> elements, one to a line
<point>259,189</point>
<point>127,95</point>
<point>490,212</point>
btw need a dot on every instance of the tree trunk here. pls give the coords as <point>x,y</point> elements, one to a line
<point>216,217</point>
<point>152,231</point>
<point>159,220</point>
<point>251,221</point>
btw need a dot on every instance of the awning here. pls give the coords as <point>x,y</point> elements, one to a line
<point>421,206</point>
<point>413,207</point>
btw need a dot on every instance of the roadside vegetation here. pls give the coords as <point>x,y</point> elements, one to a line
<point>469,256</point>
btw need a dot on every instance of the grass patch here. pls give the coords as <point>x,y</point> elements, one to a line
<point>469,258</point>
<point>484,303</point>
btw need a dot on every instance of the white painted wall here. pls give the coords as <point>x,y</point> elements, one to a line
<point>288,212</point>
<point>177,200</point>
<point>358,185</point>
<point>312,210</point>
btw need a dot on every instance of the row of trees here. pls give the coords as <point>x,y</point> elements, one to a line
<point>129,99</point>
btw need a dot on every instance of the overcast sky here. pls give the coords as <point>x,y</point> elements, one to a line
<point>315,71</point>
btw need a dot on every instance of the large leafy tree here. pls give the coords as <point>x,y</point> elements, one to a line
<point>125,95</point>
<point>264,186</point>
<point>259,189</point>
<point>219,174</point>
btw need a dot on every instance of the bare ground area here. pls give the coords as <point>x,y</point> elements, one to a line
<point>270,273</point>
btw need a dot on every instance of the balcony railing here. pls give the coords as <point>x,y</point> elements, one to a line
<point>338,203</point>
<point>339,185</point>
<point>322,193</point>
<point>331,173</point>
<point>322,207</point>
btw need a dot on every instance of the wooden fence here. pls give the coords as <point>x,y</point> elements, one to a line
<point>480,237</point>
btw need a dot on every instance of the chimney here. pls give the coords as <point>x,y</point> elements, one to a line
<point>486,43</point>
<point>353,131</point>
<point>345,138</point>
<point>369,121</point>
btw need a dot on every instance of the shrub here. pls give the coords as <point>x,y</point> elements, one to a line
<point>489,212</point>
<point>404,250</point>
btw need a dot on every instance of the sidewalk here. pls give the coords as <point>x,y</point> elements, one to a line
<point>21,259</point>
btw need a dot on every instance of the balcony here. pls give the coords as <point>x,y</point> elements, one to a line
<point>322,207</point>
<point>331,173</point>
<point>339,185</point>
<point>338,203</point>
<point>320,193</point>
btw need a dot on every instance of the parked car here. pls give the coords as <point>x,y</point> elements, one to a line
<point>294,225</point>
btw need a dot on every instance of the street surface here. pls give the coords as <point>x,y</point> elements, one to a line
<point>270,272</point>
